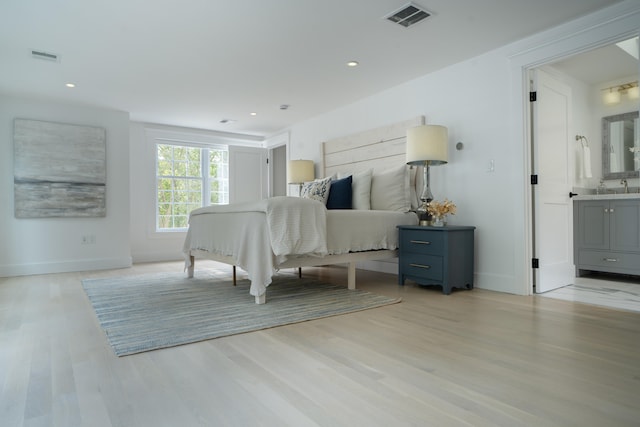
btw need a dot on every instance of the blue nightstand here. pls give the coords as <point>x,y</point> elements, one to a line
<point>436,256</point>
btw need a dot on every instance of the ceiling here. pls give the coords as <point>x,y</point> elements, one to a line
<point>194,63</point>
<point>602,65</point>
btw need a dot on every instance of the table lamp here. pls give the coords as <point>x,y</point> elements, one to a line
<point>299,172</point>
<point>427,146</point>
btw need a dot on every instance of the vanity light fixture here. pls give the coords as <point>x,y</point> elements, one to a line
<point>613,95</point>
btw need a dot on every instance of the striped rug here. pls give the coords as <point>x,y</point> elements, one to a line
<point>148,312</point>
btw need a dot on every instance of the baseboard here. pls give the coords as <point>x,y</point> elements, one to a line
<point>383,266</point>
<point>494,282</point>
<point>140,258</point>
<point>64,266</point>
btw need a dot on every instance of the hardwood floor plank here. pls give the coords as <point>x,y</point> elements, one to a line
<point>470,358</point>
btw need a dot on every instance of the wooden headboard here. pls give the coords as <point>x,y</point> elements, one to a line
<point>380,149</point>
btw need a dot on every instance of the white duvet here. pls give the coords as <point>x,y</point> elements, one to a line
<point>259,236</point>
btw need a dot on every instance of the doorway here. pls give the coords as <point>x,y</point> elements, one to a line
<point>587,74</point>
<point>278,171</point>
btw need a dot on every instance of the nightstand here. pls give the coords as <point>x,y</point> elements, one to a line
<point>436,256</point>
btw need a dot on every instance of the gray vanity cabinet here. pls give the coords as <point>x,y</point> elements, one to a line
<point>606,235</point>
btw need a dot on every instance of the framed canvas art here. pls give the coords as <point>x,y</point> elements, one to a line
<point>59,170</point>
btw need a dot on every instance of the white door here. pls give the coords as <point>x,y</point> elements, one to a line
<point>552,162</point>
<point>278,171</point>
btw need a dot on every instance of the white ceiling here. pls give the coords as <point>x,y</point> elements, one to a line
<point>601,65</point>
<point>193,63</point>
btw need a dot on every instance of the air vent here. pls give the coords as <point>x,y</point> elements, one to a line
<point>408,15</point>
<point>46,56</point>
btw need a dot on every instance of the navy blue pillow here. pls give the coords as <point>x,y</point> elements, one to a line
<point>340,194</point>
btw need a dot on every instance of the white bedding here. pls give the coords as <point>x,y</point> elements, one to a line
<point>259,236</point>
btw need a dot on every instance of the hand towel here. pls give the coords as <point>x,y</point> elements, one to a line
<point>586,160</point>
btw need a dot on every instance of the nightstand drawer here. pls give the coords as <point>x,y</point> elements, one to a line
<point>422,242</point>
<point>426,266</point>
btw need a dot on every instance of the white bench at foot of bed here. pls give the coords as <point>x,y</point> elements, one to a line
<point>350,259</point>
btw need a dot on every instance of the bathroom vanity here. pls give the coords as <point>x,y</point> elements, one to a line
<point>606,233</point>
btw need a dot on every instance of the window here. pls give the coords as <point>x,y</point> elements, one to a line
<point>188,177</point>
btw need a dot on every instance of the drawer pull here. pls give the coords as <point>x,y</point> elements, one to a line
<point>420,266</point>
<point>421,242</point>
<point>610,259</point>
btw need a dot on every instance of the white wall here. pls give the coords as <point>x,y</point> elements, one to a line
<point>482,102</point>
<point>50,245</point>
<point>472,100</point>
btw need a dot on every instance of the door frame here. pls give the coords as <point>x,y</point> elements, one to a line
<point>611,25</point>
<point>282,139</point>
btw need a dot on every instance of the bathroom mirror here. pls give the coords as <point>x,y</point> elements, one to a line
<point>620,146</point>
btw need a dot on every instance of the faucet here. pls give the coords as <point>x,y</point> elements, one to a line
<point>626,187</point>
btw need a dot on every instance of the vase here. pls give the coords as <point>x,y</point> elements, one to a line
<point>439,221</point>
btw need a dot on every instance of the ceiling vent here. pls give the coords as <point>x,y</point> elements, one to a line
<point>46,56</point>
<point>408,15</point>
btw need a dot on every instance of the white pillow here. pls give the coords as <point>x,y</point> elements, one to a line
<point>390,190</point>
<point>360,189</point>
<point>317,190</point>
<point>415,200</point>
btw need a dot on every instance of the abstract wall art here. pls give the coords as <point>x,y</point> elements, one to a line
<point>59,170</point>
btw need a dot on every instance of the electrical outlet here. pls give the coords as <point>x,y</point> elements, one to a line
<point>88,239</point>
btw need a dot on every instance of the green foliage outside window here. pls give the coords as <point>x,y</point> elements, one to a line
<point>181,186</point>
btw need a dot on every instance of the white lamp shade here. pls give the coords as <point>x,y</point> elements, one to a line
<point>300,171</point>
<point>427,143</point>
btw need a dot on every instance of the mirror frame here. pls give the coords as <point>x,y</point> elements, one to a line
<point>606,145</point>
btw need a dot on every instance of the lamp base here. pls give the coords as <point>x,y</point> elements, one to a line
<point>424,217</point>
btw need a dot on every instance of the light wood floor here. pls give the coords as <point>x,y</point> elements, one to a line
<point>470,358</point>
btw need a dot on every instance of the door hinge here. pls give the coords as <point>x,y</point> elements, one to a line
<point>533,96</point>
<point>267,160</point>
<point>535,263</point>
<point>534,179</point>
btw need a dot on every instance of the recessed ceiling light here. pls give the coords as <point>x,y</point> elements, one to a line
<point>353,64</point>
<point>253,113</point>
<point>70,85</point>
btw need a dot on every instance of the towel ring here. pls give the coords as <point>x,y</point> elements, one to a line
<point>583,140</point>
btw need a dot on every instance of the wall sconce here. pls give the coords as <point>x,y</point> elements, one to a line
<point>613,95</point>
<point>427,146</point>
<point>300,171</point>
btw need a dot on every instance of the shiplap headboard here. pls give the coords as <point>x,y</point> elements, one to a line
<point>380,149</point>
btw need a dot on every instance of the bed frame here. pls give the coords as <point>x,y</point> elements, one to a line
<point>379,149</point>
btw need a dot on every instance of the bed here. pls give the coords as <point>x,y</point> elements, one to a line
<point>292,232</point>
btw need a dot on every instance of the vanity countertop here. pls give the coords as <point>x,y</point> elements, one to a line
<point>611,196</point>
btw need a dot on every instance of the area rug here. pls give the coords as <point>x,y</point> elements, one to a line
<point>148,312</point>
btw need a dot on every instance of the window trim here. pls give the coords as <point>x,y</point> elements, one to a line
<point>188,137</point>
<point>204,178</point>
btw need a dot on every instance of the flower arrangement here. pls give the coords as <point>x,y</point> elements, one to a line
<point>635,151</point>
<point>440,209</point>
